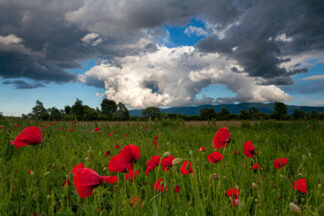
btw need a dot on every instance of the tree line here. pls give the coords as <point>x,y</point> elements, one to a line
<point>112,111</point>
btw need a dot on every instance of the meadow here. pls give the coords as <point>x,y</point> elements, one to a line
<point>33,176</point>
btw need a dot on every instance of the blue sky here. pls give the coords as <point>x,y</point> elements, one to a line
<point>212,46</point>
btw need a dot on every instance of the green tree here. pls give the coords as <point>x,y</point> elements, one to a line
<point>121,114</point>
<point>39,112</point>
<point>279,111</point>
<point>90,114</point>
<point>78,109</point>
<point>151,112</point>
<point>224,114</point>
<point>207,113</point>
<point>67,109</point>
<point>54,114</point>
<point>1,115</point>
<point>108,107</point>
<point>298,114</point>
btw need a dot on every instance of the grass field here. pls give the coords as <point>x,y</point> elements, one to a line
<point>40,191</point>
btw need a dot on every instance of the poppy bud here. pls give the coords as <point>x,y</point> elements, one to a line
<point>224,177</point>
<point>48,197</point>
<point>166,154</point>
<point>105,168</point>
<point>47,173</point>
<point>256,200</point>
<point>319,185</point>
<point>86,159</point>
<point>254,186</point>
<point>31,173</point>
<point>177,161</point>
<point>294,209</point>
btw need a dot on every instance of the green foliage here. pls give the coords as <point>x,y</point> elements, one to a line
<point>279,111</point>
<point>78,109</point>
<point>121,114</point>
<point>108,107</point>
<point>208,113</point>
<point>224,114</point>
<point>39,112</point>
<point>151,112</point>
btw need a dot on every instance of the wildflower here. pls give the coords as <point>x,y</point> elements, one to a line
<point>249,149</point>
<point>29,136</point>
<point>186,168</point>
<point>300,185</point>
<point>215,157</point>
<point>159,187</point>
<point>222,138</point>
<point>280,162</point>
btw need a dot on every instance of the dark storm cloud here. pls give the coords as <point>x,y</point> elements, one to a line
<point>256,39</point>
<point>20,84</point>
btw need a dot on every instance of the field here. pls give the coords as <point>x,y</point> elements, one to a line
<point>32,177</point>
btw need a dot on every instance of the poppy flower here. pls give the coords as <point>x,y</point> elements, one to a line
<point>86,179</point>
<point>66,181</point>
<point>159,187</point>
<point>107,153</point>
<point>249,149</point>
<point>29,136</point>
<point>186,168</point>
<point>117,146</point>
<point>74,122</point>
<point>131,174</point>
<point>222,138</point>
<point>114,132</point>
<point>155,141</point>
<point>202,149</point>
<point>167,163</point>
<point>123,161</point>
<point>177,189</point>
<point>97,129</point>
<point>16,126</point>
<point>235,152</point>
<point>109,134</point>
<point>156,159</point>
<point>58,128</point>
<point>256,166</point>
<point>233,194</point>
<point>215,157</point>
<point>76,152</point>
<point>136,202</point>
<point>280,162</point>
<point>300,185</point>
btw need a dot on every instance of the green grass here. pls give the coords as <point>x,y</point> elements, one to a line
<point>200,194</point>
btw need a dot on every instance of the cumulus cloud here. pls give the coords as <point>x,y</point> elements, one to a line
<point>92,38</point>
<point>10,39</point>
<point>174,76</point>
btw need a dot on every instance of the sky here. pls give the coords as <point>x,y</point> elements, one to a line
<point>162,53</point>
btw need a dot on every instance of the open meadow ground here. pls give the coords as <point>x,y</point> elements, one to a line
<point>38,179</point>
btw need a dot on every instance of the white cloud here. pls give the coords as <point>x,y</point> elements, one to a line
<point>283,37</point>
<point>316,77</point>
<point>10,39</point>
<point>92,38</point>
<point>195,30</point>
<point>173,77</point>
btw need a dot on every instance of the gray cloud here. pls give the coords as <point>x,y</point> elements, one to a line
<point>267,32</point>
<point>20,84</point>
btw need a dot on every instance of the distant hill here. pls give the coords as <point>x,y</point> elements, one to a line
<point>233,108</point>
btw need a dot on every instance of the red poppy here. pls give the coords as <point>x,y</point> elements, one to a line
<point>97,129</point>
<point>107,153</point>
<point>233,194</point>
<point>58,129</point>
<point>280,162</point>
<point>76,152</point>
<point>249,149</point>
<point>156,159</point>
<point>215,157</point>
<point>136,202</point>
<point>300,185</point>
<point>63,168</point>
<point>29,136</point>
<point>109,134</point>
<point>74,122</point>
<point>256,166</point>
<point>222,138</point>
<point>202,149</point>
<point>114,132</point>
<point>167,162</point>
<point>159,187</point>
<point>29,171</point>
<point>177,189</point>
<point>186,168</point>
<point>117,146</point>
<point>131,174</point>
<point>16,126</point>
<point>235,152</point>
<point>119,163</point>
<point>123,161</point>
<point>86,179</point>
<point>155,141</point>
